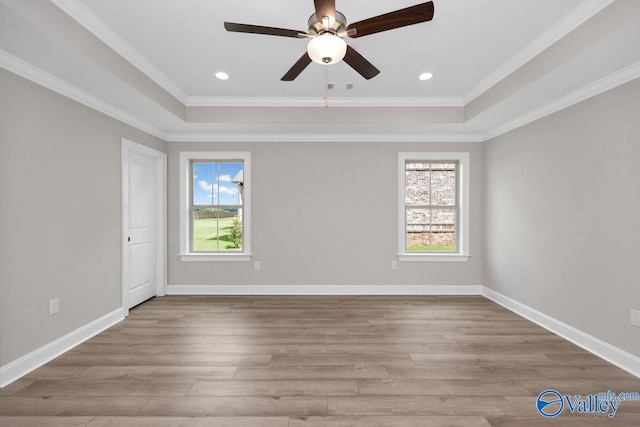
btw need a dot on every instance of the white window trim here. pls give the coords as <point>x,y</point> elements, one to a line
<point>463,158</point>
<point>185,182</point>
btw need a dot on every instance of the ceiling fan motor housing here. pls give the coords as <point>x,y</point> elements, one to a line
<point>337,25</point>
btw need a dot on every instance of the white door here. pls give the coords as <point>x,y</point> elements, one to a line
<point>143,222</point>
<point>141,238</point>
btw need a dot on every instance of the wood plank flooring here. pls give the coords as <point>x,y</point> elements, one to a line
<point>316,361</point>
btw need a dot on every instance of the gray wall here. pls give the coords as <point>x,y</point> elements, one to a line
<point>59,216</point>
<point>325,214</point>
<point>562,215</point>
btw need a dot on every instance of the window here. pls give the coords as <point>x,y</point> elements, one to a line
<point>433,206</point>
<point>215,206</point>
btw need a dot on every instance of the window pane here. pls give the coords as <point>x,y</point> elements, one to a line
<point>430,230</point>
<point>418,236</point>
<point>217,183</point>
<point>443,184</point>
<point>416,184</point>
<point>229,183</point>
<point>203,183</point>
<point>217,230</point>
<point>443,228</point>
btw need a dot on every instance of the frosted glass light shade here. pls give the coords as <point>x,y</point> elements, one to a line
<point>326,49</point>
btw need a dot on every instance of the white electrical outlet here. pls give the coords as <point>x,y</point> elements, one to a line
<point>54,306</point>
<point>635,317</point>
<point>394,265</point>
<point>256,265</point>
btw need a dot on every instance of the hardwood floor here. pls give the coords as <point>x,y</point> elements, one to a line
<point>316,361</point>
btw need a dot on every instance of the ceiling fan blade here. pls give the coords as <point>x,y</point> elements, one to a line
<point>259,29</point>
<point>297,68</point>
<point>400,18</point>
<point>325,8</point>
<point>360,64</point>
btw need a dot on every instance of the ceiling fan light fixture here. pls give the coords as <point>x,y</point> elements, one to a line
<point>425,76</point>
<point>326,49</point>
<point>221,75</point>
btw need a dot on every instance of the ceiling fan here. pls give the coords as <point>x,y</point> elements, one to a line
<point>327,29</point>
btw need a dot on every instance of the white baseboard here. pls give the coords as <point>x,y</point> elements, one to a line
<point>611,354</point>
<point>32,361</point>
<point>324,290</point>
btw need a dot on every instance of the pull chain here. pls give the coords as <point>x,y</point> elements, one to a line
<point>326,85</point>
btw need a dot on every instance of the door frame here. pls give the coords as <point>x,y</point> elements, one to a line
<point>127,147</point>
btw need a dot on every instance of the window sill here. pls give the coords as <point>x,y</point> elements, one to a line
<point>215,257</point>
<point>434,257</point>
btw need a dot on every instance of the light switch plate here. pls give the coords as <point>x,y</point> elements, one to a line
<point>54,306</point>
<point>635,317</point>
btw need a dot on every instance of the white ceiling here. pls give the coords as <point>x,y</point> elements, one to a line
<point>462,45</point>
<point>496,64</point>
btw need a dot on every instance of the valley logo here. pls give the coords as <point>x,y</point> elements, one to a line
<point>551,403</point>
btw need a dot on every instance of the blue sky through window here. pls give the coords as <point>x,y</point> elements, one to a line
<point>212,183</point>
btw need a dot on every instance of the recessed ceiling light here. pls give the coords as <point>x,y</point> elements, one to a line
<point>222,75</point>
<point>425,76</point>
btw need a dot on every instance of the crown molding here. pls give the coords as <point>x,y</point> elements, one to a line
<point>216,101</point>
<point>563,27</point>
<point>28,71</point>
<point>42,78</point>
<point>326,138</point>
<point>602,85</point>
<point>85,17</point>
